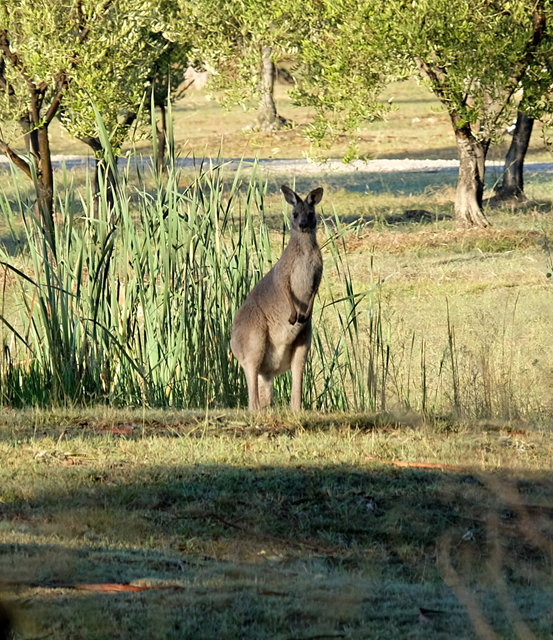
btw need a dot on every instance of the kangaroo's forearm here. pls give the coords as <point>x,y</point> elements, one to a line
<point>304,317</point>
<point>293,317</point>
<point>309,309</point>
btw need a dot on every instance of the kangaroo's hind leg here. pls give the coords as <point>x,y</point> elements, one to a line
<point>265,390</point>
<point>250,371</point>
<point>300,350</point>
<point>248,343</point>
<point>251,364</point>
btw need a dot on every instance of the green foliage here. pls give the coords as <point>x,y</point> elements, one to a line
<point>116,69</point>
<point>228,38</point>
<point>343,71</point>
<point>473,55</point>
<point>84,53</point>
<point>169,67</point>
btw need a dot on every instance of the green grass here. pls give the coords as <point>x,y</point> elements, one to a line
<point>396,300</point>
<point>135,305</point>
<point>275,527</point>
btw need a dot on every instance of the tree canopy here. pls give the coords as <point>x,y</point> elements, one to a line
<point>475,55</point>
<point>66,59</point>
<point>238,41</point>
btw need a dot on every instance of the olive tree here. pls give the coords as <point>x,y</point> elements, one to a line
<point>473,54</point>
<point>536,103</point>
<point>168,85</point>
<point>65,59</point>
<point>240,42</point>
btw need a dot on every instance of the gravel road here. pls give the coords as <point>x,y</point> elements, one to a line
<point>302,166</point>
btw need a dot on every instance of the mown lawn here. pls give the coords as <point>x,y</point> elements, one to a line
<point>176,525</point>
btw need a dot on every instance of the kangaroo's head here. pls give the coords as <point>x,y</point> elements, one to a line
<point>303,212</point>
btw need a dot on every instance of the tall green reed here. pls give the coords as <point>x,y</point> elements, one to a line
<point>135,306</point>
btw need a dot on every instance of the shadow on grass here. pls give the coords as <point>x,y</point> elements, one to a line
<point>519,208</point>
<point>12,245</point>
<point>397,183</point>
<point>280,552</point>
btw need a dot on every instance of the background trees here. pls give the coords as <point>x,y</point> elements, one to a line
<point>474,56</point>
<point>239,43</point>
<point>66,60</point>
<point>536,101</point>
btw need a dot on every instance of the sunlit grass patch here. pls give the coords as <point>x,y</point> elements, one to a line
<point>139,306</point>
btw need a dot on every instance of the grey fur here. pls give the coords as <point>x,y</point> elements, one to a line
<point>271,332</point>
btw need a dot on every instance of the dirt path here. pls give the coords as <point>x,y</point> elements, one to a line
<point>300,165</point>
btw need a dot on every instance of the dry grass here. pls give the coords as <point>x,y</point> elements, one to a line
<point>444,240</point>
<point>163,524</point>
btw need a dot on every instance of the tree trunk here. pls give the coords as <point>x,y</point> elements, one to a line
<point>101,169</point>
<point>104,176</point>
<point>39,146</point>
<point>39,142</point>
<point>161,167</point>
<point>512,185</point>
<point>470,185</point>
<point>39,170</point>
<point>46,173</point>
<point>267,115</point>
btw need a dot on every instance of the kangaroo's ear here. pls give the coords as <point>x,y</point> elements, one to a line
<point>315,196</point>
<point>290,196</point>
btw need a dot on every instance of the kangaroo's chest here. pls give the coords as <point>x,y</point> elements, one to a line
<point>305,275</point>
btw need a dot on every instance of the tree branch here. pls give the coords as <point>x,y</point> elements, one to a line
<point>92,142</point>
<point>539,29</point>
<point>62,84</point>
<point>18,161</point>
<point>438,78</point>
<point>14,58</point>
<point>87,28</point>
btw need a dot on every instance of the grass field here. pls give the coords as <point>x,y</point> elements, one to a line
<point>178,525</point>
<point>425,510</point>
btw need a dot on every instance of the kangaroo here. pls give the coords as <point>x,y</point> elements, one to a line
<point>271,332</point>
